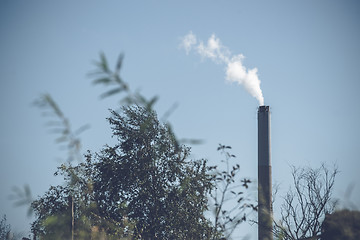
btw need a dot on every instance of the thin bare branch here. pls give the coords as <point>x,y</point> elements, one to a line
<point>305,205</point>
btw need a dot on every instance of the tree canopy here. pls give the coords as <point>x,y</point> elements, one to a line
<point>148,179</point>
<point>143,187</point>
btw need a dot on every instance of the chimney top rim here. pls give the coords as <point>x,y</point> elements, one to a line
<point>264,108</point>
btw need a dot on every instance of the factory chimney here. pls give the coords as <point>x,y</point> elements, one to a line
<point>264,175</point>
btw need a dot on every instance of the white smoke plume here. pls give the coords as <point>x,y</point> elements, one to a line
<point>188,41</point>
<point>235,70</point>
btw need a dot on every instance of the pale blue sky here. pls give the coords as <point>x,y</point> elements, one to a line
<point>307,54</point>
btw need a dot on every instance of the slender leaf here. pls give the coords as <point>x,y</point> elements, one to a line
<point>111,92</point>
<point>104,80</point>
<point>119,62</point>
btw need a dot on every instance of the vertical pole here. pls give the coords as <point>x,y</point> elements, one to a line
<point>264,175</point>
<point>72,218</point>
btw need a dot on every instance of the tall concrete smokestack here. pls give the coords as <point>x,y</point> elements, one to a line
<point>264,175</point>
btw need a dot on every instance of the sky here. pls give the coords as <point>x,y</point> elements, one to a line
<point>304,55</point>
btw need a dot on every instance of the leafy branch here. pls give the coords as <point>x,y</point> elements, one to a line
<point>22,197</point>
<point>60,125</point>
<point>111,78</point>
<point>68,139</point>
<point>230,204</point>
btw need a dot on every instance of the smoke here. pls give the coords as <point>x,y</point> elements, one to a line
<point>235,70</point>
<point>188,41</point>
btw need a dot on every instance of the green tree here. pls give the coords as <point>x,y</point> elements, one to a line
<point>148,179</point>
<point>4,228</point>
<point>144,187</point>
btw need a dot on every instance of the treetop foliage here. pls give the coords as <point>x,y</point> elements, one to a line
<point>147,178</point>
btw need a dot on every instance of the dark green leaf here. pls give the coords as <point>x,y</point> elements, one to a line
<point>119,62</point>
<point>104,80</point>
